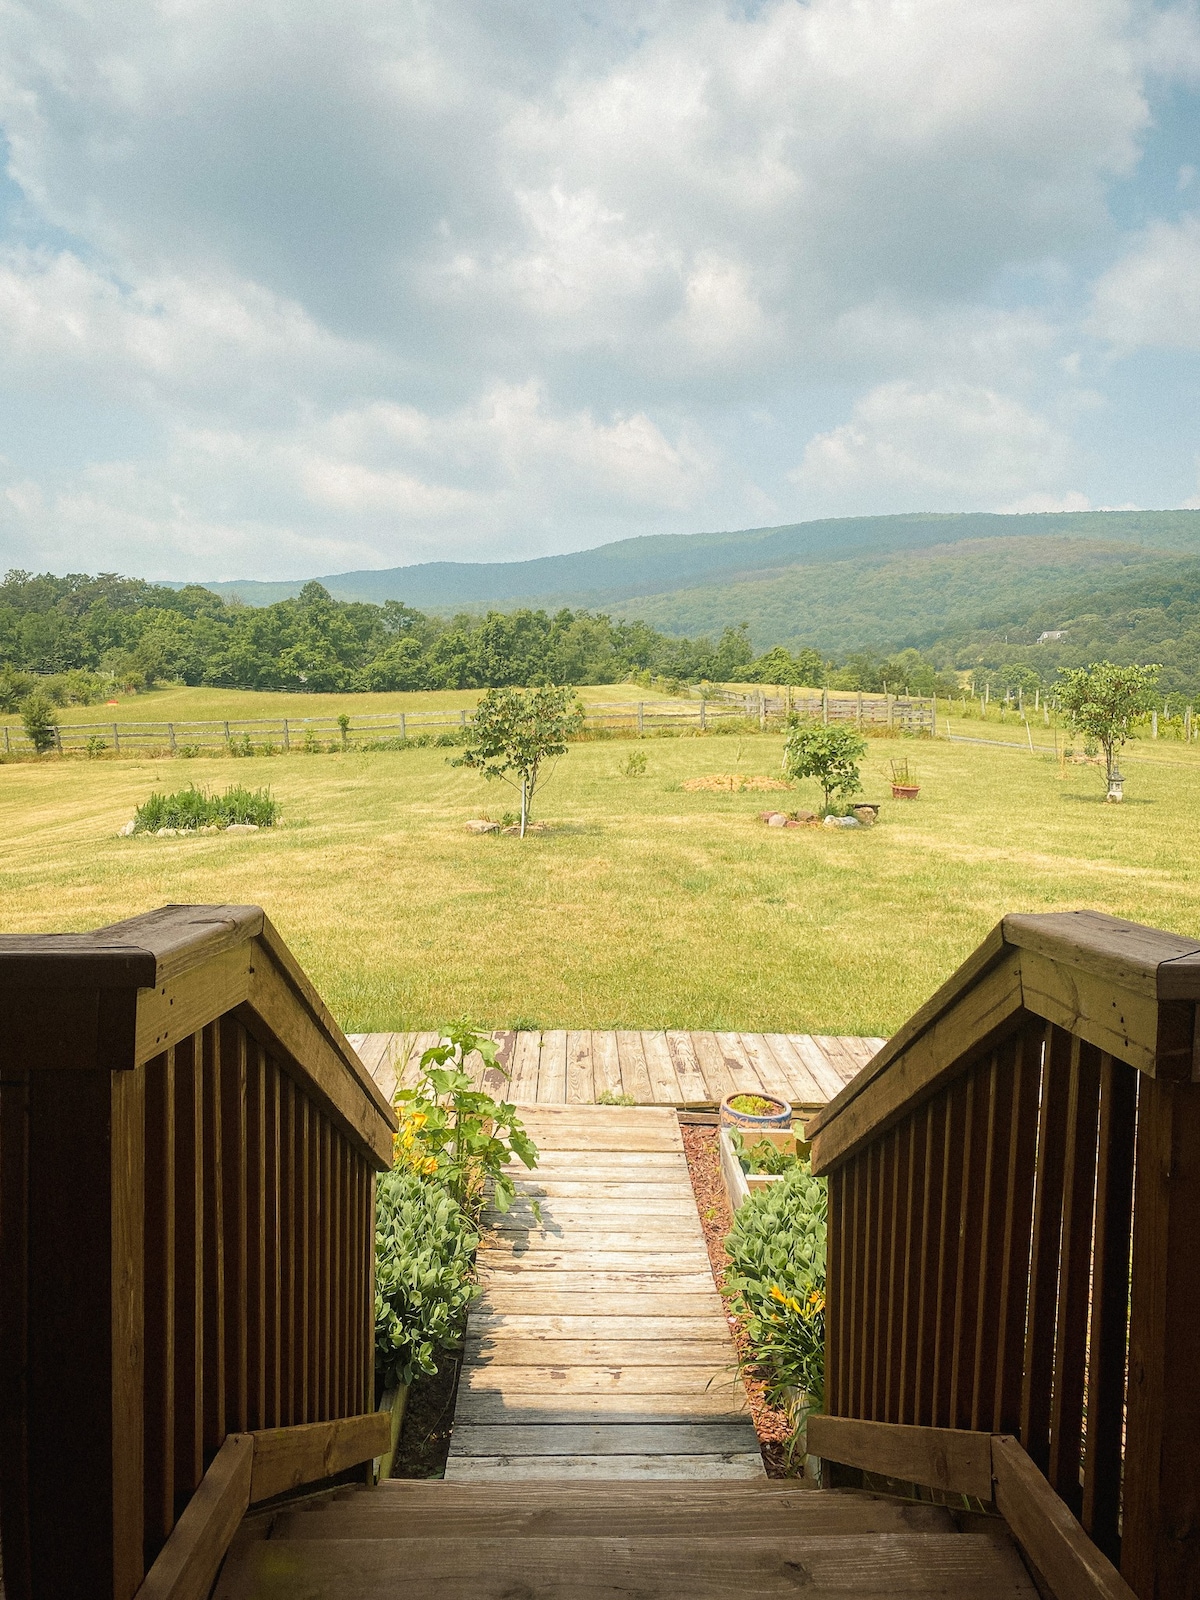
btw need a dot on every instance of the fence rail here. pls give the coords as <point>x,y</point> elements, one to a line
<point>1014,1199</point>
<point>903,713</point>
<point>188,1147</point>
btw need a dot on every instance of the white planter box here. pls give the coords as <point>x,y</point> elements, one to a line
<point>738,1184</point>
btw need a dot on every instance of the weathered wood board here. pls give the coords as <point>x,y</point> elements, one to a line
<point>599,1347</point>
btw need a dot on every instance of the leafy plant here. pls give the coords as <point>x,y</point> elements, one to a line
<point>465,1137</point>
<point>610,1097</point>
<point>193,808</point>
<point>829,752</point>
<point>776,1252</point>
<point>634,765</point>
<point>763,1156</point>
<point>424,1274</point>
<point>96,745</point>
<point>241,744</point>
<point>516,731</point>
<point>1103,699</point>
<point>39,720</point>
<point>343,723</point>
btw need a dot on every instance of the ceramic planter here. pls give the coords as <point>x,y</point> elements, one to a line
<point>905,791</point>
<point>780,1116</point>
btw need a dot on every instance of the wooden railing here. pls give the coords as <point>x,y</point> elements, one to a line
<point>187,1156</point>
<point>1014,1246</point>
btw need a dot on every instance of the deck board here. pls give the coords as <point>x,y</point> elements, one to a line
<point>556,1379</point>
<point>672,1068</point>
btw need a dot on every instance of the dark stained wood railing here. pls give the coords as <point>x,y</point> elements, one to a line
<point>1014,1229</point>
<point>187,1156</point>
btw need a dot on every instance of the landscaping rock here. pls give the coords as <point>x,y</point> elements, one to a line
<point>804,816</point>
<point>166,833</point>
<point>777,820</point>
<point>480,826</point>
<point>842,822</point>
<point>242,827</point>
<point>127,831</point>
<point>866,815</point>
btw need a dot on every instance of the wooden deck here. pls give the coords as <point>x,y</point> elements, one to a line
<point>675,1068</point>
<point>599,1347</point>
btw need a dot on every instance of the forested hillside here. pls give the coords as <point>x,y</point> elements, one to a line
<point>122,630</point>
<point>661,565</point>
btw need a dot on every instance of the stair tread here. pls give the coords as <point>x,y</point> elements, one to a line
<point>717,1567</point>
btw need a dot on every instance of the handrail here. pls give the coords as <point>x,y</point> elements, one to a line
<point>187,1154</point>
<point>1014,1200</point>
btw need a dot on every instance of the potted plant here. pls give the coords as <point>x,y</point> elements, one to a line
<point>903,787</point>
<point>755,1111</point>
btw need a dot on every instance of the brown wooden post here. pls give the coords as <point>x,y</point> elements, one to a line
<point>1160,1553</point>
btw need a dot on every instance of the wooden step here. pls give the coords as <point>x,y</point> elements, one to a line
<point>529,1511</point>
<point>722,1566</point>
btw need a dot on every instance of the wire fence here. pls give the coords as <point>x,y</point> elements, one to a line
<point>632,718</point>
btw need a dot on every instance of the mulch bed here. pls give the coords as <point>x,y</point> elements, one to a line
<point>716,1218</point>
<point>428,1422</point>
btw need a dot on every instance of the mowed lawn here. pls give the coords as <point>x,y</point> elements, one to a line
<point>645,906</point>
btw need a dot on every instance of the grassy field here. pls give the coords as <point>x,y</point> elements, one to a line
<point>644,905</point>
<point>179,703</point>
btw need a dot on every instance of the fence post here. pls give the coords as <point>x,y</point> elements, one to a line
<point>1187,728</point>
<point>287,737</point>
<point>702,722</point>
<point>403,734</point>
<point>825,705</point>
<point>462,717</point>
<point>762,711</point>
<point>226,733</point>
<point>639,719</point>
<point>8,742</point>
<point>171,736</point>
<point>860,711</point>
<point>116,736</point>
<point>888,698</point>
<point>933,716</point>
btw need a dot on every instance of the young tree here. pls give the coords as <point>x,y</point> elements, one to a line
<point>830,753</point>
<point>41,724</point>
<point>516,731</point>
<point>1101,701</point>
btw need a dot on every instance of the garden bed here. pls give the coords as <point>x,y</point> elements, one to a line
<point>716,1218</point>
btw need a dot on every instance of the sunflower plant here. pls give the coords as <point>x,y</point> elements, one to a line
<point>457,1133</point>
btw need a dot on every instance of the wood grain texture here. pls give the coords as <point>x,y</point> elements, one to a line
<point>599,1335</point>
<point>188,1562</point>
<point>956,1460</point>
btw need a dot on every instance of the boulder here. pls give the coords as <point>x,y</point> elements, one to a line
<point>166,833</point>
<point>866,815</point>
<point>127,831</point>
<point>481,826</point>
<point>242,827</point>
<point>777,820</point>
<point>804,816</point>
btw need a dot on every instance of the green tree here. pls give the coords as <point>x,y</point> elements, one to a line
<point>516,732</point>
<point>829,753</point>
<point>41,724</point>
<point>1103,698</point>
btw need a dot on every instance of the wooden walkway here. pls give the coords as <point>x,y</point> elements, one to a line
<point>599,1347</point>
<point>675,1068</point>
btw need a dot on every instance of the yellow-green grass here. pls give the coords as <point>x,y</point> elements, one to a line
<point>645,905</point>
<point>179,703</point>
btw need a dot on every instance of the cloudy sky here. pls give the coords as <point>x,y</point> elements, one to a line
<point>308,285</point>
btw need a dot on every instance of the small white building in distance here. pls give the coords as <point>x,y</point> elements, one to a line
<point>1052,638</point>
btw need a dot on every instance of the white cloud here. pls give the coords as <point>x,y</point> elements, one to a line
<point>1151,297</point>
<point>965,446</point>
<point>487,280</point>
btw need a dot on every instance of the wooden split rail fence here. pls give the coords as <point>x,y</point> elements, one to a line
<point>641,717</point>
<point>1013,1273</point>
<point>188,1147</point>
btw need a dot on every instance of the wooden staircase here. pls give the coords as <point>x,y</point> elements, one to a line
<point>615,1541</point>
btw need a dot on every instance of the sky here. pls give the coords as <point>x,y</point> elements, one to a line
<point>305,286</point>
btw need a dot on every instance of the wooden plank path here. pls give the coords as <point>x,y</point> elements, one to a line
<point>599,1347</point>
<point>673,1068</point>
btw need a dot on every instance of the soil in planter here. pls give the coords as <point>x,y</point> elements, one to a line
<point>716,1218</point>
<point>428,1423</point>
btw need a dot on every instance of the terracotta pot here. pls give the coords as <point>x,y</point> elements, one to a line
<point>905,791</point>
<point>750,1122</point>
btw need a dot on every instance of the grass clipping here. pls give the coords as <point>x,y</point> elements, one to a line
<point>734,783</point>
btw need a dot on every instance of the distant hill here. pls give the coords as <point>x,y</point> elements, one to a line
<point>624,576</point>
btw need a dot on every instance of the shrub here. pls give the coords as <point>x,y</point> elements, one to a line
<point>776,1272</point>
<point>193,808</point>
<point>424,1268</point>
<point>96,746</point>
<point>40,722</point>
<point>830,753</point>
